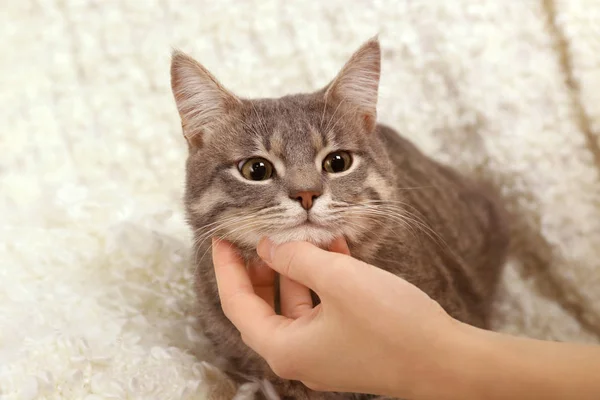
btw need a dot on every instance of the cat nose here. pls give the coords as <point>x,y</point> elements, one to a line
<point>306,198</point>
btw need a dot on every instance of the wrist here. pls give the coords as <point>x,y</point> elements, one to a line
<point>436,368</point>
<point>474,363</point>
<point>471,363</point>
<point>454,364</point>
<point>462,372</point>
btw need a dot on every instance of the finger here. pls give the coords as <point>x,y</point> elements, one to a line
<point>339,245</point>
<point>295,298</point>
<point>302,262</point>
<point>250,314</point>
<point>263,281</point>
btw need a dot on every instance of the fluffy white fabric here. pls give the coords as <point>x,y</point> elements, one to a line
<point>96,295</point>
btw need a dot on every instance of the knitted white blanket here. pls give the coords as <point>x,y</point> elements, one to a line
<point>95,292</point>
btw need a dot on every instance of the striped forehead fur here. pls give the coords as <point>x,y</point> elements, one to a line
<point>276,143</point>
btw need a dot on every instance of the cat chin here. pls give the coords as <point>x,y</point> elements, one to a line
<point>318,236</point>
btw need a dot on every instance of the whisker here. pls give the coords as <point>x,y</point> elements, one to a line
<point>348,111</point>
<point>399,215</point>
<point>405,205</point>
<point>260,120</point>
<point>333,115</point>
<point>256,226</point>
<point>383,217</point>
<point>258,221</point>
<point>400,202</point>
<point>323,114</point>
<point>202,239</point>
<point>244,214</point>
<point>223,237</point>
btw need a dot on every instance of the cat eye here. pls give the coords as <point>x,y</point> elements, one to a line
<point>338,161</point>
<point>256,169</point>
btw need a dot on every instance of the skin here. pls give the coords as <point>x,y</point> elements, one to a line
<point>357,342</point>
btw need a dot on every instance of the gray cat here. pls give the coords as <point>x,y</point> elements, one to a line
<point>316,166</point>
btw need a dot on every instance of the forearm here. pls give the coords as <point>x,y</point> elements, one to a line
<point>488,365</point>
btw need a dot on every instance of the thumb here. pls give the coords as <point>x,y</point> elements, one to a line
<point>303,262</point>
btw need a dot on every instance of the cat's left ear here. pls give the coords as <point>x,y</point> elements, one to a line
<point>357,84</point>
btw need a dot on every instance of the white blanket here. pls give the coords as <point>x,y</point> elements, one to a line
<point>96,295</point>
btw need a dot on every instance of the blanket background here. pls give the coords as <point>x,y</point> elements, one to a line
<point>95,290</point>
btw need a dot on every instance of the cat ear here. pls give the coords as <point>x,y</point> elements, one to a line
<point>357,84</point>
<point>201,100</point>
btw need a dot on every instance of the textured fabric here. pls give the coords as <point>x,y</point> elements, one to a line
<point>95,290</point>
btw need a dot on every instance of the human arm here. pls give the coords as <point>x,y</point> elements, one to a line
<point>498,366</point>
<point>376,333</point>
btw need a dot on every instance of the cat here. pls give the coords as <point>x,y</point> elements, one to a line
<point>315,166</point>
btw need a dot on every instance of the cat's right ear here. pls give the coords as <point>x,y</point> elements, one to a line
<point>202,102</point>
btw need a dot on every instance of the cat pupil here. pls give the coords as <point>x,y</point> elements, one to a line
<point>337,163</point>
<point>258,171</point>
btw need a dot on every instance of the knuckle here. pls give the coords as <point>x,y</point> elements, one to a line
<point>247,341</point>
<point>297,310</point>
<point>289,259</point>
<point>279,360</point>
<point>228,303</point>
<point>282,367</point>
<point>226,306</point>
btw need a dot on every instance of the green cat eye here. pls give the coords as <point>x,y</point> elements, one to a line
<point>256,169</point>
<point>338,161</point>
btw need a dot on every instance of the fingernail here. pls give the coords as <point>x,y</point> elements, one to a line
<point>265,249</point>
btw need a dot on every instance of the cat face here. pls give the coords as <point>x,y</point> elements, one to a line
<point>302,167</point>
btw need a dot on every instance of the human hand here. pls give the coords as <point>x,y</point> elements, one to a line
<point>372,333</point>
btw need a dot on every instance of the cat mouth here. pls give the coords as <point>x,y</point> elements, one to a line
<point>313,226</point>
<point>311,222</point>
<point>307,228</point>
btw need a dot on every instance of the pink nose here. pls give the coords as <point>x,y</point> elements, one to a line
<point>305,198</point>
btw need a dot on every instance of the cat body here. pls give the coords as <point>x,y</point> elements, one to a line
<point>317,166</point>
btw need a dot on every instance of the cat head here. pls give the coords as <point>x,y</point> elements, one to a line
<point>301,167</point>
